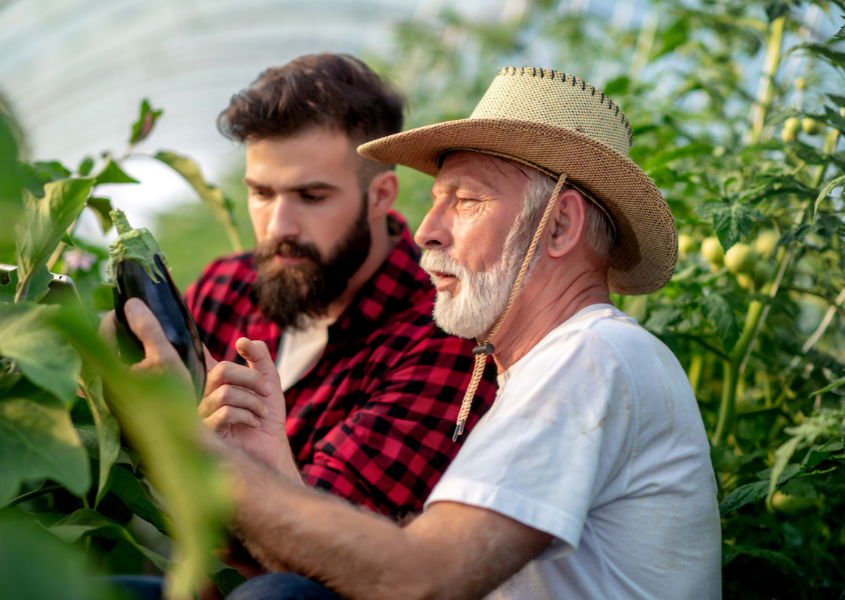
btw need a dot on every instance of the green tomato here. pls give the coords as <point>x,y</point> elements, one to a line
<point>744,281</point>
<point>763,272</point>
<point>686,244</point>
<point>790,505</point>
<point>811,126</point>
<point>765,243</point>
<point>711,250</point>
<point>800,83</point>
<point>790,128</point>
<point>741,258</point>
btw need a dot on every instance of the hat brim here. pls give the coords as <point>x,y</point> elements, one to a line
<point>646,251</point>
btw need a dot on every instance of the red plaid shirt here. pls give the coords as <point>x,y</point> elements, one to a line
<point>373,420</point>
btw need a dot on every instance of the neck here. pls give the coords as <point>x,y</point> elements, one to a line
<point>541,307</point>
<point>380,248</point>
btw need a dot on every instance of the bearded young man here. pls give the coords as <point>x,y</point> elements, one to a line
<point>335,291</point>
<point>590,477</point>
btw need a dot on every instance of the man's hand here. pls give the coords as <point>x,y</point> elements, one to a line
<point>245,406</point>
<point>159,354</point>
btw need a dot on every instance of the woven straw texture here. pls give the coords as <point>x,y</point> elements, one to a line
<point>561,124</point>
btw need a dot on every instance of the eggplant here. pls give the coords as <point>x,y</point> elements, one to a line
<point>137,269</point>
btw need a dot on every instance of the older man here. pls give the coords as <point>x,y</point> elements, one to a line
<point>590,476</point>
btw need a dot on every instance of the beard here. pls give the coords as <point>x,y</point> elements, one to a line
<point>289,294</point>
<point>483,296</point>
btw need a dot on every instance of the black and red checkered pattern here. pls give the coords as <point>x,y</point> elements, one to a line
<point>373,421</point>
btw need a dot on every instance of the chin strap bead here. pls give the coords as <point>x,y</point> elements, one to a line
<point>482,351</point>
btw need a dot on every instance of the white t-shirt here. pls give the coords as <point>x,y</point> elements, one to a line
<point>596,438</point>
<point>300,350</point>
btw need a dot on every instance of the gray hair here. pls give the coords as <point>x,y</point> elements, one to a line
<point>598,231</point>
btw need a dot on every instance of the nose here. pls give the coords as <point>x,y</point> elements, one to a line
<point>284,223</point>
<point>432,232</point>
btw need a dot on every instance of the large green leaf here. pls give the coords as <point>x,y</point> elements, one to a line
<point>720,313</point>
<point>688,151</point>
<point>731,221</point>
<point>41,353</point>
<point>131,491</point>
<point>34,565</point>
<point>108,430</point>
<point>219,204</point>
<point>48,219</point>
<point>89,522</point>
<point>38,440</point>
<point>39,285</point>
<point>825,191</point>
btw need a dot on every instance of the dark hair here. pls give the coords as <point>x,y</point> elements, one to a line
<point>336,91</point>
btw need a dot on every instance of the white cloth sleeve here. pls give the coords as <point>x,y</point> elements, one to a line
<point>555,437</point>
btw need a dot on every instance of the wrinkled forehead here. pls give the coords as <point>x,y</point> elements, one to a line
<point>483,173</point>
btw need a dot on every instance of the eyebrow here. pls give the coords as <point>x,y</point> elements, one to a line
<point>310,185</point>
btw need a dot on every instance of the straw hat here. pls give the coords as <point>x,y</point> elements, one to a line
<point>559,124</point>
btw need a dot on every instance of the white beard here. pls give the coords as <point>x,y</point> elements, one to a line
<point>479,303</point>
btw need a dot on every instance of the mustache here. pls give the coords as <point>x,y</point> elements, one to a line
<point>438,260</point>
<point>288,249</point>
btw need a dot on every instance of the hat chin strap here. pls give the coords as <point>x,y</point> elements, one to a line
<point>484,349</point>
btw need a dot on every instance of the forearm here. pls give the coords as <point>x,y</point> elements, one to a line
<point>289,527</point>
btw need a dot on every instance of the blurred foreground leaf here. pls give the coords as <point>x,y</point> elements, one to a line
<point>38,440</point>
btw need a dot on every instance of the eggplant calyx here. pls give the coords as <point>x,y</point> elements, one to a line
<point>136,245</point>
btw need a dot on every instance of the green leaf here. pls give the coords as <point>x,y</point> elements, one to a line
<point>112,173</point>
<point>225,578</point>
<point>743,495</point>
<point>825,192</point>
<point>220,206</point>
<point>837,59</point>
<point>108,430</point>
<point>130,490</point>
<point>35,565</point>
<point>144,125</point>
<point>42,354</point>
<point>753,492</point>
<point>38,440</point>
<point>88,522</point>
<point>720,313</point>
<point>618,86</point>
<point>662,318</point>
<point>797,233</point>
<point>776,9</point>
<point>675,36</point>
<point>783,563</point>
<point>838,100</point>
<point>67,241</point>
<point>48,219</point>
<point>690,150</point>
<point>39,285</point>
<point>101,207</point>
<point>52,170</point>
<point>85,166</point>
<point>732,222</point>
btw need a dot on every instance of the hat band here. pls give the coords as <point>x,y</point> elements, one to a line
<point>543,170</point>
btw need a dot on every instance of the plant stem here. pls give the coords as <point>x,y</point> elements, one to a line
<point>764,98</point>
<point>727,407</point>
<point>30,495</point>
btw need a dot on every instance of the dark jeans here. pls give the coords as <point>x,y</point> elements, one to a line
<point>275,586</point>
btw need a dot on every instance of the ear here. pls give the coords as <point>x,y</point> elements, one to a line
<point>566,223</point>
<point>381,194</point>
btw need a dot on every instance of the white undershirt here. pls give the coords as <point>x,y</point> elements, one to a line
<point>300,350</point>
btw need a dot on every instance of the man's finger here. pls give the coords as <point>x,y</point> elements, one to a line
<point>228,373</point>
<point>107,331</point>
<point>231,396</point>
<point>143,323</point>
<point>257,357</point>
<point>229,415</point>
